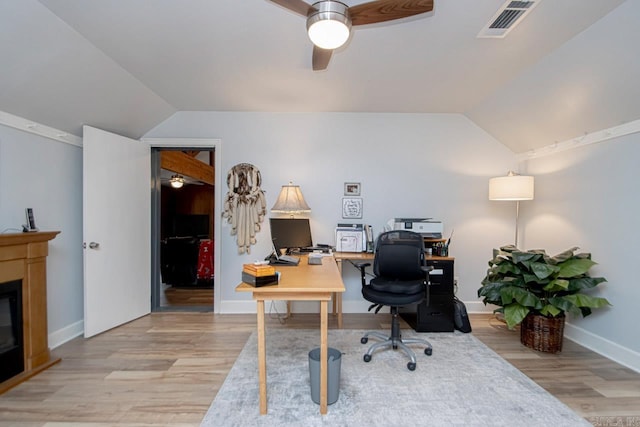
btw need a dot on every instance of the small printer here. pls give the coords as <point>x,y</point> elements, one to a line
<point>427,227</point>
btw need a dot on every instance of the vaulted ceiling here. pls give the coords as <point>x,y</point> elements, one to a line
<point>569,68</point>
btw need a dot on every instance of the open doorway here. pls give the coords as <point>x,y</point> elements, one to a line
<point>183,213</point>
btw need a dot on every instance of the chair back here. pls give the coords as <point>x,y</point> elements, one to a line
<point>399,255</point>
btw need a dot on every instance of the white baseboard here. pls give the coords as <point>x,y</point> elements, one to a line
<point>602,346</point>
<point>61,336</point>
<point>478,307</point>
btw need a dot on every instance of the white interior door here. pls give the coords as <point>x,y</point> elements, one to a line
<point>116,229</point>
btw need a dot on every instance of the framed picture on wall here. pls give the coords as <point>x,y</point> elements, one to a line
<point>352,207</point>
<point>351,188</point>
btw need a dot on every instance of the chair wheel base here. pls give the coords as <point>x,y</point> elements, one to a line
<point>428,351</point>
<point>411,366</point>
<point>367,357</point>
<point>364,340</point>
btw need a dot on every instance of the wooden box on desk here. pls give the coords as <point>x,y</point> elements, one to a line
<point>258,281</point>
<point>259,270</point>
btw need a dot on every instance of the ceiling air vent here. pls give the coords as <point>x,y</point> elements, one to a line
<point>506,18</point>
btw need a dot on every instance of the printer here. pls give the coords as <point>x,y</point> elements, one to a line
<point>427,227</point>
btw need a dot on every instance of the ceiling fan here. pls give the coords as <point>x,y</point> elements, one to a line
<point>329,22</point>
<point>176,180</point>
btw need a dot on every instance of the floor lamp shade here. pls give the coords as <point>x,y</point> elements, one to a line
<point>290,200</point>
<point>511,187</point>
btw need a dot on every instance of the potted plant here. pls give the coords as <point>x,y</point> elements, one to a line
<point>535,290</point>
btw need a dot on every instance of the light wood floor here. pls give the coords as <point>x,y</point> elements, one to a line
<point>166,368</point>
<point>187,297</point>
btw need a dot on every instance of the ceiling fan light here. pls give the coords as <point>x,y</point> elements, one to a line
<point>329,26</point>
<point>177,181</point>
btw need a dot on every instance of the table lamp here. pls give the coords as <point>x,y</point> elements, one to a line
<point>513,187</point>
<point>290,200</point>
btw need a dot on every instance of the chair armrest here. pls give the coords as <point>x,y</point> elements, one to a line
<point>361,266</point>
<point>427,268</point>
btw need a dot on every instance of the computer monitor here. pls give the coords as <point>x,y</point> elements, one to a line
<point>290,233</point>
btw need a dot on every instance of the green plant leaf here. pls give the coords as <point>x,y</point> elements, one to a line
<point>550,310</point>
<point>583,300</point>
<point>505,268</point>
<point>542,270</point>
<point>585,311</point>
<point>557,285</point>
<point>577,303</point>
<point>514,314</point>
<point>581,283</point>
<point>564,304</point>
<point>575,267</point>
<point>492,293</point>
<point>522,257</point>
<point>521,296</point>
<point>563,256</point>
<point>530,278</point>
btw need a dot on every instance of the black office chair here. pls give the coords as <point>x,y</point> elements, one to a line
<point>401,278</point>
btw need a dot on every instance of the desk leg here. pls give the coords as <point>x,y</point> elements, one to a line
<point>262,359</point>
<point>339,304</point>
<point>334,299</point>
<point>337,298</point>
<point>324,355</point>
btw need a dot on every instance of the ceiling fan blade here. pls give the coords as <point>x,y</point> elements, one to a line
<point>321,58</point>
<point>387,10</point>
<point>297,6</point>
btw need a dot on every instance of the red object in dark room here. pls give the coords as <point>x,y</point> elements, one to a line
<point>205,260</point>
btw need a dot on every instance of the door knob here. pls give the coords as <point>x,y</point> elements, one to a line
<point>94,245</point>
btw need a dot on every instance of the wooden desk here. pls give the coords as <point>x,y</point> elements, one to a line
<point>298,283</point>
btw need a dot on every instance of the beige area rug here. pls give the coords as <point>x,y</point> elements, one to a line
<point>463,383</point>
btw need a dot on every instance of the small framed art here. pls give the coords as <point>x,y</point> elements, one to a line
<point>352,207</point>
<point>351,188</point>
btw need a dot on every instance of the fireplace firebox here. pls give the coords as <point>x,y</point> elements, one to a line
<point>11,345</point>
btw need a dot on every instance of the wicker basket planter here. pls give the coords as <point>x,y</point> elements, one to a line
<point>542,333</point>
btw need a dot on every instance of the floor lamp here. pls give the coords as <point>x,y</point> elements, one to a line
<point>513,187</point>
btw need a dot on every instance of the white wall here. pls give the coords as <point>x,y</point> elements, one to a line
<point>410,165</point>
<point>588,197</point>
<point>46,175</point>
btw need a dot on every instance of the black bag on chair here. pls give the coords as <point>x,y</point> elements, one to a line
<point>460,316</point>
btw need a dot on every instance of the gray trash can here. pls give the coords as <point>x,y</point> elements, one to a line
<point>333,380</point>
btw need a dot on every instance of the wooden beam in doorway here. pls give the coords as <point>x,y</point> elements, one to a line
<point>183,164</point>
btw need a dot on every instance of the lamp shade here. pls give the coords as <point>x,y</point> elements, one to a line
<point>329,26</point>
<point>290,200</point>
<point>511,187</point>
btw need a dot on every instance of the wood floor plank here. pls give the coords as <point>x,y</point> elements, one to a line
<point>165,369</point>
